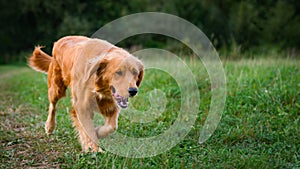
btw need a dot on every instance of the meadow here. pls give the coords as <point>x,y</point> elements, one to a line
<point>259,128</point>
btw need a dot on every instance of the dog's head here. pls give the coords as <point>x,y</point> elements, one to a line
<point>118,76</point>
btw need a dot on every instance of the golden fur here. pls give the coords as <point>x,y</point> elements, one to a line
<point>100,75</point>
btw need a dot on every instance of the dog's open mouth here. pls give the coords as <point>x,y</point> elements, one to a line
<point>122,101</point>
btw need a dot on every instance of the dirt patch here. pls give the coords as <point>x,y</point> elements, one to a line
<point>22,143</point>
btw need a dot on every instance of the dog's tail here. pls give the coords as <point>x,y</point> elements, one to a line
<point>39,60</point>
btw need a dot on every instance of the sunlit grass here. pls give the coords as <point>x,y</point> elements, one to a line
<point>259,127</point>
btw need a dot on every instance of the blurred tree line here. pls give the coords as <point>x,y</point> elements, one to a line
<point>241,25</point>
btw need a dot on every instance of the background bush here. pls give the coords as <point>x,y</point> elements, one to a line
<point>232,25</point>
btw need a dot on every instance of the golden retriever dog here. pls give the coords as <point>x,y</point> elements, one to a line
<point>101,77</point>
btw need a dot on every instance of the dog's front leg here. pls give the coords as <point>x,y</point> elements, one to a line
<point>83,122</point>
<point>110,125</point>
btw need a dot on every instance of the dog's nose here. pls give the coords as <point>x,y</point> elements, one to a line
<point>132,91</point>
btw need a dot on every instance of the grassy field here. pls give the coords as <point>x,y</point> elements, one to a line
<point>260,126</point>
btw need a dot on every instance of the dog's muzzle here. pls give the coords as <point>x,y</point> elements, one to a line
<point>121,101</point>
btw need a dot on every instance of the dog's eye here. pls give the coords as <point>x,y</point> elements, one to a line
<point>134,72</point>
<point>119,72</point>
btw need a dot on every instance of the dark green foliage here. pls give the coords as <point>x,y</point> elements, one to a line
<point>229,24</point>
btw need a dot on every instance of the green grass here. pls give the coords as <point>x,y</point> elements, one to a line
<point>259,127</point>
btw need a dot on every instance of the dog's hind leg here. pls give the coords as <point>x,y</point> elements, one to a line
<point>56,90</point>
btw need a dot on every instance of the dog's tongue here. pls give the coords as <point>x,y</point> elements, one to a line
<point>122,102</point>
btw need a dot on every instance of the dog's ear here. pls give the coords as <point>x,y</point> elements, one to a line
<point>95,67</point>
<point>100,69</point>
<point>140,77</point>
<point>93,54</point>
<point>102,81</point>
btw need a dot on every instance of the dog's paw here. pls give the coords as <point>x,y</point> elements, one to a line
<point>94,150</point>
<point>101,151</point>
<point>49,128</point>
